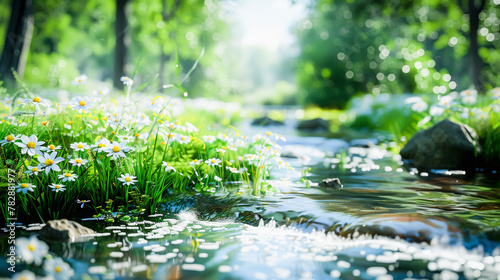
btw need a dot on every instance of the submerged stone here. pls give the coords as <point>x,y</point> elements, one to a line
<point>64,229</point>
<point>266,121</point>
<point>333,183</point>
<point>446,145</point>
<point>314,124</point>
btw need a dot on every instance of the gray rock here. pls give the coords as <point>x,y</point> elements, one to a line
<point>446,145</point>
<point>314,124</point>
<point>266,121</point>
<point>64,230</point>
<point>333,183</point>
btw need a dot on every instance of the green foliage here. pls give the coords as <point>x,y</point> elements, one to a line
<point>354,47</point>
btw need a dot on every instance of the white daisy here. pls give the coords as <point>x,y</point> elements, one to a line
<point>49,162</point>
<point>213,162</point>
<point>51,148</point>
<point>30,145</point>
<point>78,162</point>
<point>436,110</point>
<point>468,92</point>
<point>100,145</point>
<point>68,176</point>
<point>24,275</point>
<point>81,104</point>
<point>127,179</point>
<point>57,187</point>
<point>37,102</point>
<point>469,99</point>
<point>25,187</point>
<point>218,179</point>
<point>209,139</point>
<point>31,249</point>
<point>79,80</point>
<point>183,139</point>
<point>33,170</point>
<point>419,106</point>
<point>168,167</point>
<point>495,93</point>
<point>170,125</point>
<point>195,162</point>
<point>127,81</point>
<point>58,269</point>
<point>79,146</point>
<point>102,92</point>
<point>116,150</point>
<point>11,138</point>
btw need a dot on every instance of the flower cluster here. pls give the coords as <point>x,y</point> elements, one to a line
<point>464,105</point>
<point>35,252</point>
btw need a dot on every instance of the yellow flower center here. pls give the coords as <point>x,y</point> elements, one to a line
<point>49,162</point>
<point>34,169</point>
<point>58,186</point>
<point>31,247</point>
<point>128,179</point>
<point>213,161</point>
<point>67,174</point>
<point>100,92</point>
<point>52,147</point>
<point>44,122</point>
<point>80,146</point>
<point>10,138</point>
<point>195,160</point>
<point>268,133</point>
<point>24,185</point>
<point>172,125</point>
<point>101,145</point>
<point>58,269</point>
<point>116,149</point>
<point>31,145</point>
<point>36,99</point>
<point>83,103</point>
<point>78,160</point>
<point>79,80</point>
<point>137,135</point>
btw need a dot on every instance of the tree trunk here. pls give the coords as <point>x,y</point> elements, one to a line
<point>17,41</point>
<point>121,26</point>
<point>476,62</point>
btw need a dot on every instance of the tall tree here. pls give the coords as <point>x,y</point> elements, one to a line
<point>473,8</point>
<point>17,40</point>
<point>167,14</point>
<point>121,26</point>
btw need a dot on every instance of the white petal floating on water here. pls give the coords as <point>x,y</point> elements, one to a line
<point>335,274</point>
<point>116,254</point>
<point>376,270</point>
<point>282,273</point>
<point>97,269</point>
<point>193,267</point>
<point>209,246</point>
<point>225,269</point>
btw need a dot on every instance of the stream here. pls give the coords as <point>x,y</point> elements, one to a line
<point>385,223</point>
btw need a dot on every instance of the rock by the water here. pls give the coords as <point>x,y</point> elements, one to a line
<point>265,121</point>
<point>64,230</point>
<point>314,124</point>
<point>333,183</point>
<point>446,145</point>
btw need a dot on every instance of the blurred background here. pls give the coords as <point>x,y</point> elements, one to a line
<point>279,52</point>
